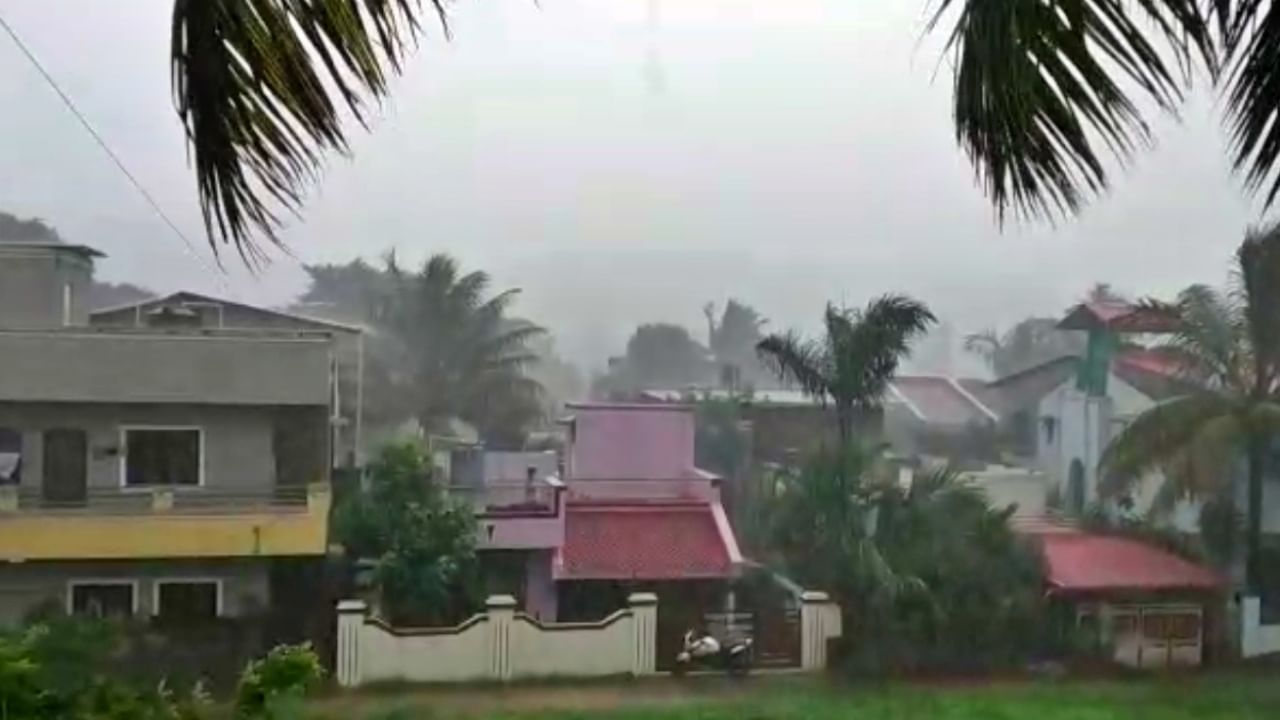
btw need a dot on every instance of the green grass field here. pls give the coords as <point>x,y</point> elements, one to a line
<point>1203,697</point>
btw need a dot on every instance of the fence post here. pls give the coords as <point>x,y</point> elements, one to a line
<point>644,638</point>
<point>1250,626</point>
<point>819,622</point>
<point>351,617</point>
<point>502,612</point>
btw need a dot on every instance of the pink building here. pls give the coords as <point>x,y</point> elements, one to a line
<point>631,512</point>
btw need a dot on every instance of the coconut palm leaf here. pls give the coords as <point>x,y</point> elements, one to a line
<point>1157,437</point>
<point>799,361</point>
<point>261,86</point>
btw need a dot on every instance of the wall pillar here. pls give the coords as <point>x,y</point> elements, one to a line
<point>502,612</point>
<point>1250,626</point>
<point>644,642</point>
<point>8,499</point>
<point>351,617</point>
<point>819,622</point>
<point>541,599</point>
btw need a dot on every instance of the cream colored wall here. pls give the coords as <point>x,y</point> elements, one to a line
<point>590,649</point>
<point>442,657</point>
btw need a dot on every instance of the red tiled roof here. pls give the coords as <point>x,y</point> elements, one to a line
<point>1118,316</point>
<point>1084,562</point>
<point>646,542</point>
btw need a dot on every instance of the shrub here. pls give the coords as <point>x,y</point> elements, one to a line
<point>282,677</point>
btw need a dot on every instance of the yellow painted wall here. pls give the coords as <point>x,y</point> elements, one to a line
<point>74,536</point>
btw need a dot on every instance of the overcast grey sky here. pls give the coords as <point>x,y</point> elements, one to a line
<point>621,170</point>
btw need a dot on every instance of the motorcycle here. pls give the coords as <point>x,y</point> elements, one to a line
<point>702,651</point>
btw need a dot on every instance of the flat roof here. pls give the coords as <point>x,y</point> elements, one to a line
<point>83,250</point>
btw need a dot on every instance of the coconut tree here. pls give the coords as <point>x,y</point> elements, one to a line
<point>1045,89</point>
<point>448,349</point>
<point>851,365</point>
<point>1228,346</point>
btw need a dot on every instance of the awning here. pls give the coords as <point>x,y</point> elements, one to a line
<point>647,541</point>
<point>1087,563</point>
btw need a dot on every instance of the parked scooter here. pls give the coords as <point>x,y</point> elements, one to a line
<point>702,651</point>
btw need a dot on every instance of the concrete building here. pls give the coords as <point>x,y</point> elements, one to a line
<point>159,468</point>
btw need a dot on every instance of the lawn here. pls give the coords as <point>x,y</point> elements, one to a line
<point>1203,697</point>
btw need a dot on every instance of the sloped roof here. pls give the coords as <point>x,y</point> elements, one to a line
<point>187,296</point>
<point>82,250</point>
<point>1117,316</point>
<point>1018,390</point>
<point>941,400</point>
<point>646,542</point>
<point>1079,562</point>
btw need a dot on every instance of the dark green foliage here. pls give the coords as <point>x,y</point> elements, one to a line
<point>929,576</point>
<point>1227,346</point>
<point>277,681</point>
<point>422,543</point>
<point>261,87</point>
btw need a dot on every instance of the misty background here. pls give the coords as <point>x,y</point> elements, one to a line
<point>622,161</point>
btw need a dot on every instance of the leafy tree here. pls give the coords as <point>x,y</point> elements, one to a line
<point>733,339</point>
<point>1228,345</point>
<point>343,292</point>
<point>422,543</point>
<point>1027,344</point>
<point>16,229</point>
<point>852,364</point>
<point>1038,85</point>
<point>662,355</point>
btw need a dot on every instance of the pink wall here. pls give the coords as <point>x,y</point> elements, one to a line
<point>630,442</point>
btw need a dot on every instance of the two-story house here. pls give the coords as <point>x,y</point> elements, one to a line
<point>155,469</point>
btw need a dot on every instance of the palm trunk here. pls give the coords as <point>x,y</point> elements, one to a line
<point>1253,529</point>
<point>844,424</point>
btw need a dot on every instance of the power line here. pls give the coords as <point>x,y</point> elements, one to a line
<point>102,143</point>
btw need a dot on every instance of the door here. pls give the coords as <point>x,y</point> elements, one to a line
<point>66,454</point>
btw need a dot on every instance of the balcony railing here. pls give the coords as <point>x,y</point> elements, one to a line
<point>511,499</point>
<point>178,500</point>
<point>128,523</point>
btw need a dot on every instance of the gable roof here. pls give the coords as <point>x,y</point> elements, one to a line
<point>941,400</point>
<point>1118,317</point>
<point>1016,391</point>
<point>186,296</point>
<point>1081,562</point>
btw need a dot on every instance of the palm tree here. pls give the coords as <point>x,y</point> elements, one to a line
<point>1228,345</point>
<point>852,364</point>
<point>917,568</point>
<point>261,86</point>
<point>1038,86</point>
<point>450,351</point>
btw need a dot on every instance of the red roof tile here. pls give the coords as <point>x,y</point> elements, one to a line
<point>646,542</point>
<point>1083,562</point>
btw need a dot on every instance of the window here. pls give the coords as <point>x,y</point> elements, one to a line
<point>103,598</point>
<point>162,456</point>
<point>188,601</point>
<point>10,456</point>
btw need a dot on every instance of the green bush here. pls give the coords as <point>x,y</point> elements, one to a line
<point>276,681</point>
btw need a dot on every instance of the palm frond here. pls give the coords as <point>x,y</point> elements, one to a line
<point>1157,435</point>
<point>1251,97</point>
<point>260,86</point>
<point>1258,297</point>
<point>1038,84</point>
<point>1203,466</point>
<point>798,361</point>
<point>1207,336</point>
